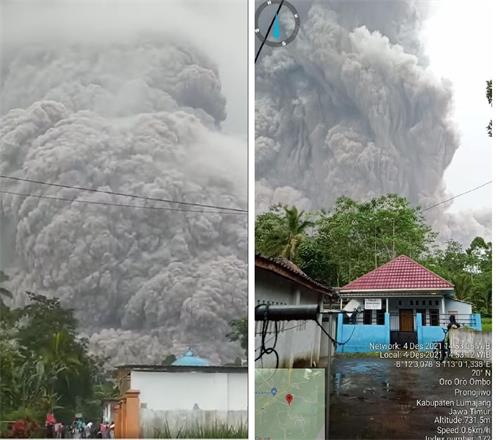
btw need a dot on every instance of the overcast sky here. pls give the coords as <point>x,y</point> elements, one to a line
<point>458,42</point>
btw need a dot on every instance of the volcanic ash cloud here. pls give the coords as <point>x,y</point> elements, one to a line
<point>137,117</point>
<point>351,108</point>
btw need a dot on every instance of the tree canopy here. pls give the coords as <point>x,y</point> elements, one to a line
<point>489,97</point>
<point>354,238</point>
<point>45,365</point>
<point>281,231</point>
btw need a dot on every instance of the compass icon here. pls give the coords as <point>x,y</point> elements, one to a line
<point>280,16</point>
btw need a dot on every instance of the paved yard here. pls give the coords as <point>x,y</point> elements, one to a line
<point>372,399</point>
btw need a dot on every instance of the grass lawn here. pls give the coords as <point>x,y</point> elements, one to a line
<point>486,324</point>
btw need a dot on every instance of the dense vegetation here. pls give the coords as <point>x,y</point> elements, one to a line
<point>338,246</point>
<point>44,364</point>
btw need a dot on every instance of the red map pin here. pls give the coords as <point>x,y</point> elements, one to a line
<point>289,398</point>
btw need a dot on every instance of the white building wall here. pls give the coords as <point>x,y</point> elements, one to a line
<point>457,308</point>
<point>161,390</point>
<point>237,391</point>
<point>298,341</point>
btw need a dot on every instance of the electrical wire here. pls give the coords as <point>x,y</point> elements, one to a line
<point>123,205</point>
<point>114,193</point>
<point>263,349</point>
<point>458,195</point>
<point>335,342</point>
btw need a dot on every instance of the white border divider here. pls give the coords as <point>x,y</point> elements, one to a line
<point>494,74</point>
<point>251,218</point>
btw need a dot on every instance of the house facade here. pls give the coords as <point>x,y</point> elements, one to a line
<point>300,344</point>
<point>401,304</point>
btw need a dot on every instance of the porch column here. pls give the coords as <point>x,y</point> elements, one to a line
<point>442,306</point>
<point>387,305</point>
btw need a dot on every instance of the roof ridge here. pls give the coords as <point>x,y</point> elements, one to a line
<point>401,257</point>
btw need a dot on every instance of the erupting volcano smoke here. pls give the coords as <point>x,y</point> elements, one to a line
<point>351,108</point>
<point>140,115</point>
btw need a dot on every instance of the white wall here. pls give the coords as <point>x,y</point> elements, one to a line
<point>162,390</point>
<point>297,340</point>
<point>458,308</point>
<point>470,344</point>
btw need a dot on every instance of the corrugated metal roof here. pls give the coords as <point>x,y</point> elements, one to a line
<point>401,273</point>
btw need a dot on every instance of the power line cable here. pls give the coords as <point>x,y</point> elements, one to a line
<point>263,349</point>
<point>458,195</point>
<point>134,196</point>
<point>124,205</point>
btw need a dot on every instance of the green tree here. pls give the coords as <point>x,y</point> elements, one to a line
<point>280,232</point>
<point>360,236</point>
<point>239,332</point>
<point>469,270</point>
<point>4,292</point>
<point>45,364</point>
<point>169,359</point>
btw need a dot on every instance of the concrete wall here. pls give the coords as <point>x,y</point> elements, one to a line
<point>358,338</point>
<point>470,344</point>
<point>161,390</point>
<point>180,420</point>
<point>325,342</point>
<point>427,335</point>
<point>183,399</point>
<point>299,342</point>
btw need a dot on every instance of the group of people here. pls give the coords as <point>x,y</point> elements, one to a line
<point>79,428</point>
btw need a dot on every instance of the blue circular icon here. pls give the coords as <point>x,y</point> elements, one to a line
<point>279,37</point>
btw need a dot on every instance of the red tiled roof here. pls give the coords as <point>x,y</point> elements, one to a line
<point>401,273</point>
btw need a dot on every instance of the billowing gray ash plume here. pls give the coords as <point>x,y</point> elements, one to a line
<point>351,108</point>
<point>139,116</point>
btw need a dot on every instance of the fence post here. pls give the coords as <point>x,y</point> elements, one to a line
<point>117,418</point>
<point>340,333</point>
<point>476,320</point>
<point>420,331</point>
<point>132,427</point>
<point>387,322</point>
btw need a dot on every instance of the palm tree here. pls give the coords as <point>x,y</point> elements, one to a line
<point>295,227</point>
<point>463,286</point>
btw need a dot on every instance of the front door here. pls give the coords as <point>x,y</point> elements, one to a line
<point>405,320</point>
